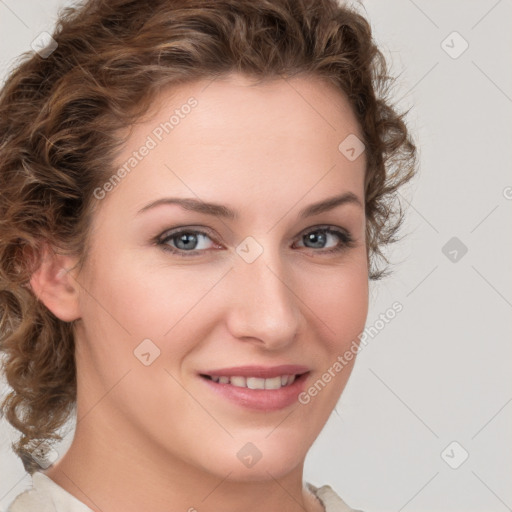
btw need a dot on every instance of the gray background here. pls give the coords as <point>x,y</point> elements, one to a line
<point>441,370</point>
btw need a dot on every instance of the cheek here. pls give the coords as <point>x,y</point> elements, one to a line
<point>341,308</point>
<point>339,299</point>
<point>132,299</point>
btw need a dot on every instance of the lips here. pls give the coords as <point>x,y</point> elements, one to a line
<point>258,387</point>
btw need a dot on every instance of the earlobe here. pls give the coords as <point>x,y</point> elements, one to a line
<point>54,285</point>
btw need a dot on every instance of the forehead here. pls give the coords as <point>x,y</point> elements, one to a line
<point>267,141</point>
<point>235,100</point>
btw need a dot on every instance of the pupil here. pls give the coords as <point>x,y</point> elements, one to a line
<point>188,239</point>
<point>319,240</point>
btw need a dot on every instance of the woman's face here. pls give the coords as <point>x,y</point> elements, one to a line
<point>183,307</point>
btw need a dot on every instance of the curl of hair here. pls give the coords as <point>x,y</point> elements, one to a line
<point>61,120</point>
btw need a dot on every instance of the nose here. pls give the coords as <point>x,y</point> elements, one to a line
<point>264,308</point>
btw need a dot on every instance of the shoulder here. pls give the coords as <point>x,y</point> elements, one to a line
<point>329,499</point>
<point>46,496</point>
<point>33,499</point>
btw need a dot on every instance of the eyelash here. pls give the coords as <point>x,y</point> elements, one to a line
<point>346,240</point>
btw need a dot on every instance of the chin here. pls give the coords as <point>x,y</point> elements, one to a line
<point>258,460</point>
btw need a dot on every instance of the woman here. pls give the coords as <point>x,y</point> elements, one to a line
<point>194,195</point>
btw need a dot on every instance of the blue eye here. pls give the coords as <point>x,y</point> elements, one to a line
<point>191,242</point>
<point>183,240</point>
<point>320,236</point>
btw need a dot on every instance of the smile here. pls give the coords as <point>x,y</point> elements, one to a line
<point>260,388</point>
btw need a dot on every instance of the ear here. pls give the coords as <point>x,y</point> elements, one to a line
<point>54,285</point>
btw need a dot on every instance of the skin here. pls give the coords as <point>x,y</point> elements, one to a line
<point>155,437</point>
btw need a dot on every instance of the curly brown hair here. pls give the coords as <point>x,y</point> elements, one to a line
<point>61,119</point>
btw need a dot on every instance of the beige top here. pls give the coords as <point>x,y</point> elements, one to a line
<point>48,496</point>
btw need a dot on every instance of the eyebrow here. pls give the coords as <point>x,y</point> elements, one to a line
<point>219,210</point>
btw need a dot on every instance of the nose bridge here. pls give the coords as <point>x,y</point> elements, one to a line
<point>267,308</point>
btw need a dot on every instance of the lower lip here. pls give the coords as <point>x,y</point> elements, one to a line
<point>260,399</point>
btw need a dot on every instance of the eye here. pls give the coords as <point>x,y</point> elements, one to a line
<point>182,241</point>
<point>323,236</point>
<point>191,242</point>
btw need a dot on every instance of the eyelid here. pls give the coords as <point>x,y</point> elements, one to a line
<point>178,229</point>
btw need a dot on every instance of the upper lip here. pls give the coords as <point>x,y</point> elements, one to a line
<point>264,372</point>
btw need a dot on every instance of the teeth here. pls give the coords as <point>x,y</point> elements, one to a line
<point>274,383</point>
<point>256,382</point>
<point>240,382</point>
